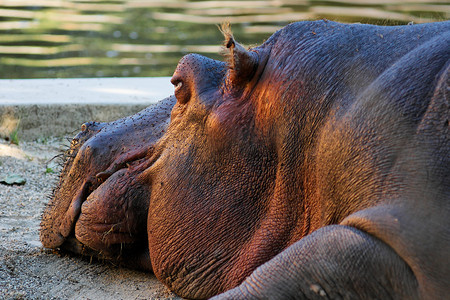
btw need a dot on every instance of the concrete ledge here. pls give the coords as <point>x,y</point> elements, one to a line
<point>40,108</point>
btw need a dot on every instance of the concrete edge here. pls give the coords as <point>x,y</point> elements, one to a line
<point>32,109</point>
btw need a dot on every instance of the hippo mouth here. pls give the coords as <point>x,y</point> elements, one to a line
<point>108,214</point>
<point>106,218</point>
<point>101,202</point>
<point>127,165</point>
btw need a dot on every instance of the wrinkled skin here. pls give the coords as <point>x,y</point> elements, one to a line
<point>315,165</point>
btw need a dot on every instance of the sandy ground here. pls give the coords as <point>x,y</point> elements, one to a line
<point>27,271</point>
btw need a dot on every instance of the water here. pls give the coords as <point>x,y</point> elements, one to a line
<point>85,38</point>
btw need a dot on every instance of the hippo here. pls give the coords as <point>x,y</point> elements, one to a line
<point>315,165</point>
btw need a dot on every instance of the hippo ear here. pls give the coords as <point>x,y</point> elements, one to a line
<point>242,63</point>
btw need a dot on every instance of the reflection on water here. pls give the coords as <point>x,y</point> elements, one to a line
<point>84,38</point>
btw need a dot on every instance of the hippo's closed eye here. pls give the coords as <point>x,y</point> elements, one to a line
<point>181,90</point>
<point>178,85</point>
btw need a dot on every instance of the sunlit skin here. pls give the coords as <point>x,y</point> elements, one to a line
<point>304,167</point>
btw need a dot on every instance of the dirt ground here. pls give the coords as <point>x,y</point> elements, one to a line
<point>27,271</point>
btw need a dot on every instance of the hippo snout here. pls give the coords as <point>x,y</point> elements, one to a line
<point>92,199</point>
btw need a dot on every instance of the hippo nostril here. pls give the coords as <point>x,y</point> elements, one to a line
<point>74,142</point>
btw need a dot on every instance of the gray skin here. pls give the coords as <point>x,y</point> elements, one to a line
<point>313,166</point>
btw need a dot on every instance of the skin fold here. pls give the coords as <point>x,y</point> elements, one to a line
<point>312,166</point>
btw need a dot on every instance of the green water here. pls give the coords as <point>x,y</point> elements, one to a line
<point>82,38</point>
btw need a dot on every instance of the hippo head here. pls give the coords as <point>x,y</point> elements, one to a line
<point>205,197</point>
